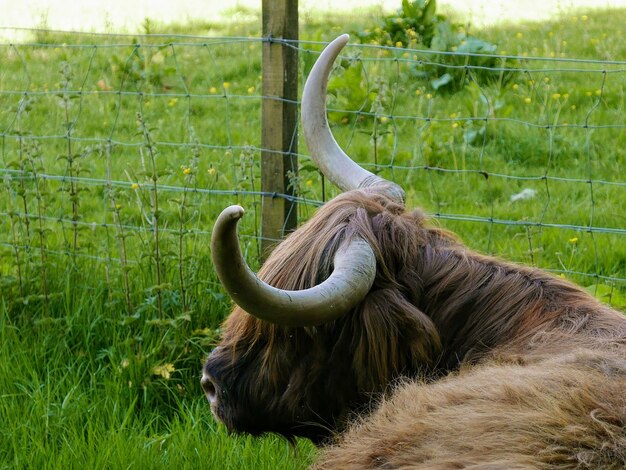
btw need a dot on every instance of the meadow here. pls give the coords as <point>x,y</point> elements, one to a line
<point>117,152</point>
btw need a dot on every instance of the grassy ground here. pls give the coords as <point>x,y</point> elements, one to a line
<point>102,334</point>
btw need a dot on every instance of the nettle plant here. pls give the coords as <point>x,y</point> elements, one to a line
<point>446,56</point>
<point>415,22</point>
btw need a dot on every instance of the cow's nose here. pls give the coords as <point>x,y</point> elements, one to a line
<point>208,385</point>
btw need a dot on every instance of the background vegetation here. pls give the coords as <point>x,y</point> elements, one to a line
<point>117,153</point>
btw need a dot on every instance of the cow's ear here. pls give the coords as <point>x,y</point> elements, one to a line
<point>392,337</point>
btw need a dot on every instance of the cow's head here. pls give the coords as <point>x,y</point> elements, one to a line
<point>330,322</point>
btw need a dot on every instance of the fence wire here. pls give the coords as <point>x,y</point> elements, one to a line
<point>117,153</point>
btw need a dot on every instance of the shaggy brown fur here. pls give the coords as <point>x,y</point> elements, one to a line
<point>558,412</point>
<point>435,307</point>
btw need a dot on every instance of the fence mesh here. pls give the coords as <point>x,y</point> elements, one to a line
<point>118,152</point>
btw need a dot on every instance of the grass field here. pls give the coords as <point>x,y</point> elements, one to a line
<point>118,152</point>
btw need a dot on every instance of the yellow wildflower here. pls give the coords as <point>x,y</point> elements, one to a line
<point>528,100</point>
<point>164,370</point>
<point>134,186</point>
<point>573,240</point>
<point>172,102</point>
<point>211,171</point>
<point>201,332</point>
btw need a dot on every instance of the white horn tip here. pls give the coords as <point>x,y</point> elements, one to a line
<point>234,212</point>
<point>343,39</point>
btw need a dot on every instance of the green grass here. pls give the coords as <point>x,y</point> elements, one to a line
<point>80,391</point>
<point>103,333</point>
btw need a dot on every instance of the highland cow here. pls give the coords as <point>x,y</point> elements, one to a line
<point>387,339</point>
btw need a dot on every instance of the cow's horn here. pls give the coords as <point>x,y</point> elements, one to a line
<point>330,158</point>
<point>351,279</point>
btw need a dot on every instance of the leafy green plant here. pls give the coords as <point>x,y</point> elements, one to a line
<point>186,212</point>
<point>414,23</point>
<point>446,56</point>
<point>459,59</point>
<point>350,92</point>
<point>150,205</point>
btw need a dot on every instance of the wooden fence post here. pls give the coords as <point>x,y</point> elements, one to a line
<point>279,120</point>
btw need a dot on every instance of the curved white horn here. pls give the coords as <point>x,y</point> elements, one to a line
<point>351,279</point>
<point>330,158</point>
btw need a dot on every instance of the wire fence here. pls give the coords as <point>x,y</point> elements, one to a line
<point>118,152</point>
